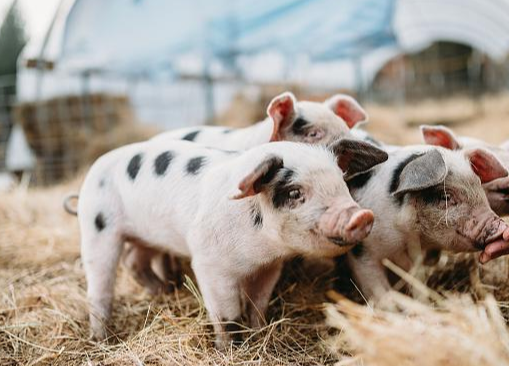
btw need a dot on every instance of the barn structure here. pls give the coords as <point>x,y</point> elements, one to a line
<point>179,63</point>
<point>127,45</point>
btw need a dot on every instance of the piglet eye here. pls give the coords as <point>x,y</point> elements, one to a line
<point>294,194</point>
<point>447,198</point>
<point>312,134</point>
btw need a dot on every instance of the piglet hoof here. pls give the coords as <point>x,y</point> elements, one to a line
<point>359,226</point>
<point>234,332</point>
<point>231,334</point>
<point>256,321</point>
<point>170,270</point>
<point>224,343</point>
<point>172,286</point>
<point>98,331</point>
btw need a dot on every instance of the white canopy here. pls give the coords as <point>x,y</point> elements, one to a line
<point>319,43</point>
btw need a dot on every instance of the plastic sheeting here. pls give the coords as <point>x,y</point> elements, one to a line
<point>319,43</point>
<point>481,24</point>
<point>146,35</point>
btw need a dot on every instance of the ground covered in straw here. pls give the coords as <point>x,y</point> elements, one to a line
<point>456,314</point>
<point>43,306</point>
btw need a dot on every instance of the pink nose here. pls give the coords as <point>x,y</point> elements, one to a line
<point>346,226</point>
<point>360,225</point>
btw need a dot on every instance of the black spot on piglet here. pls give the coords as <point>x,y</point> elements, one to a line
<point>360,180</point>
<point>281,189</point>
<point>134,166</point>
<point>162,162</point>
<point>191,136</point>
<point>195,164</point>
<point>256,216</point>
<point>300,126</point>
<point>99,222</point>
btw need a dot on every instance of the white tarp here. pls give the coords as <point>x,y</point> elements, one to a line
<point>481,24</point>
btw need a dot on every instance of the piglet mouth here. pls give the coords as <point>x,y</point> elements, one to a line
<point>340,241</point>
<point>495,247</point>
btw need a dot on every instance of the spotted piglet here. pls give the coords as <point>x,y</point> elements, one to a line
<point>287,120</point>
<point>238,216</point>
<point>425,198</point>
<point>497,190</point>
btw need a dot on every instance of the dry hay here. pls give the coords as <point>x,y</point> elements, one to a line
<point>43,308</point>
<point>486,118</point>
<point>452,331</point>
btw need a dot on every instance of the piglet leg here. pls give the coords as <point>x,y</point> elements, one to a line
<point>370,275</point>
<point>100,253</point>
<point>258,288</point>
<point>168,267</point>
<point>138,260</point>
<point>221,295</point>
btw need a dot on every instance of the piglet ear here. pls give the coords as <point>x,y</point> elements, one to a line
<point>420,172</point>
<point>256,181</point>
<point>440,136</point>
<point>485,165</point>
<point>347,108</point>
<point>282,111</point>
<point>355,157</point>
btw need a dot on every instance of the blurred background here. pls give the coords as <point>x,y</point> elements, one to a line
<point>79,77</point>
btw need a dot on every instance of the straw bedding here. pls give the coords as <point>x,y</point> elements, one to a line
<point>455,316</point>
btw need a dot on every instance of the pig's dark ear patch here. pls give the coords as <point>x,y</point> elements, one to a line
<point>485,165</point>
<point>256,181</point>
<point>419,172</point>
<point>355,157</point>
<point>347,108</point>
<point>282,111</point>
<point>440,136</point>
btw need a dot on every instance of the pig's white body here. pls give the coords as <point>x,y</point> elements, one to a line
<point>223,137</point>
<point>187,203</point>
<point>261,132</point>
<point>236,245</point>
<point>288,120</point>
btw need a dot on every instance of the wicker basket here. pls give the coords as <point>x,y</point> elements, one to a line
<point>61,130</point>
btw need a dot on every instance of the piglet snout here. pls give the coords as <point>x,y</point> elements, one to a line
<point>360,225</point>
<point>497,244</point>
<point>346,224</point>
